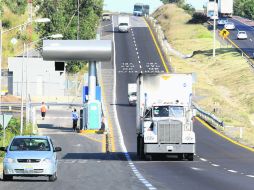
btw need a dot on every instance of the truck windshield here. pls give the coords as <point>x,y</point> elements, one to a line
<point>168,111</point>
<point>123,24</point>
<point>137,8</point>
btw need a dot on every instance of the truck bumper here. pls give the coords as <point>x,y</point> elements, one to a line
<point>169,148</point>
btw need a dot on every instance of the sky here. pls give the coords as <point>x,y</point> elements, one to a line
<point>127,5</point>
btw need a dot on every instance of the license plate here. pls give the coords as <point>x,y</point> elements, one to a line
<point>29,169</point>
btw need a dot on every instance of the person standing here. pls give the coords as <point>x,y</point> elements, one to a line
<point>75,119</point>
<point>43,110</point>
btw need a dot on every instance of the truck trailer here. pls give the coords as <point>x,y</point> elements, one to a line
<point>225,8</point>
<point>164,116</point>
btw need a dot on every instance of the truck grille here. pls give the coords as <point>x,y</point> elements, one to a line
<point>170,131</point>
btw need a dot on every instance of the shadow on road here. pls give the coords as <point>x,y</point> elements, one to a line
<point>116,156</point>
<point>50,127</point>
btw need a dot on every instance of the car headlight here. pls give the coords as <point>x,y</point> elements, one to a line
<point>47,160</point>
<point>9,160</point>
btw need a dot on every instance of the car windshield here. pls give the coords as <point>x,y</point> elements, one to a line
<point>105,15</point>
<point>242,33</point>
<point>168,111</point>
<point>30,144</point>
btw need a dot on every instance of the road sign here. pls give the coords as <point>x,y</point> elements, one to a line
<point>224,33</point>
<point>4,120</point>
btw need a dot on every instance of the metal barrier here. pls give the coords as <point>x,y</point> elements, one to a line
<point>208,117</point>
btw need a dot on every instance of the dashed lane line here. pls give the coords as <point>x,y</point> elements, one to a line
<point>121,139</point>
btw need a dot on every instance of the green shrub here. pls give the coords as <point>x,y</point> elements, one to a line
<point>198,18</point>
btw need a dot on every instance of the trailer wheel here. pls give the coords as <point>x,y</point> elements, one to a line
<point>180,156</point>
<point>190,156</point>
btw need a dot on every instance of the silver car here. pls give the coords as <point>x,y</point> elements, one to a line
<point>30,156</point>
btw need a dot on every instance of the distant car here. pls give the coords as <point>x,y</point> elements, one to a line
<point>242,35</point>
<point>229,26</point>
<point>222,21</point>
<point>106,16</point>
<point>30,156</point>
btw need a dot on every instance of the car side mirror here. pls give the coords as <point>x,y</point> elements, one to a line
<point>3,149</point>
<point>57,149</point>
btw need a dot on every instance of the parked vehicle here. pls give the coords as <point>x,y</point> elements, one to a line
<point>242,35</point>
<point>123,23</point>
<point>141,10</point>
<point>132,93</point>
<point>30,156</point>
<point>164,116</point>
<point>106,16</point>
<point>229,26</point>
<point>225,8</point>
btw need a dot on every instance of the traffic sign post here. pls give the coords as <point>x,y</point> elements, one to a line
<point>4,121</point>
<point>224,33</point>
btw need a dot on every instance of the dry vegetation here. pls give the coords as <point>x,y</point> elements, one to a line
<point>224,83</point>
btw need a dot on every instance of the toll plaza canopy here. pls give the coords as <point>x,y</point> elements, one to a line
<point>85,50</point>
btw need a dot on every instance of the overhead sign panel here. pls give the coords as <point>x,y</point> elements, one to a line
<point>85,50</point>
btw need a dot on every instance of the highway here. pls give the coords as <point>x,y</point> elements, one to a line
<point>246,45</point>
<point>219,164</point>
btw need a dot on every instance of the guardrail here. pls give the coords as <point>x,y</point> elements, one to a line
<point>208,117</point>
<point>16,107</point>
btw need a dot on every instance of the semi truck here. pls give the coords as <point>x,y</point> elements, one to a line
<point>141,9</point>
<point>164,116</point>
<point>225,8</point>
<point>211,8</point>
<point>123,23</point>
<point>132,93</point>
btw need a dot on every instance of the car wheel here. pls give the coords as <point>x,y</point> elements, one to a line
<point>53,177</point>
<point>7,177</point>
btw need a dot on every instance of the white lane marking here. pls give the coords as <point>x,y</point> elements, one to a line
<point>135,45</point>
<point>139,61</point>
<point>124,149</point>
<point>197,169</point>
<point>250,176</point>
<point>140,66</point>
<point>136,49</point>
<point>232,171</point>
<point>251,40</point>
<point>138,56</point>
<point>202,159</point>
<point>215,165</point>
<point>137,52</point>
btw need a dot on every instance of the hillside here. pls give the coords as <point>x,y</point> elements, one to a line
<point>224,84</point>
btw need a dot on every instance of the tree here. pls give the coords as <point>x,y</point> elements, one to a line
<point>64,19</point>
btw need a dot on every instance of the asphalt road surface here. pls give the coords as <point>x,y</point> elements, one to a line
<point>218,164</point>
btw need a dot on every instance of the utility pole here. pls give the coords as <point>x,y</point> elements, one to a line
<point>78,23</point>
<point>214,27</point>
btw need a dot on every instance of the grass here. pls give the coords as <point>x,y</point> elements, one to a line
<point>21,34</point>
<point>224,83</point>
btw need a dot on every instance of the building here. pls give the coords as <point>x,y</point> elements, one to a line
<point>40,78</point>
